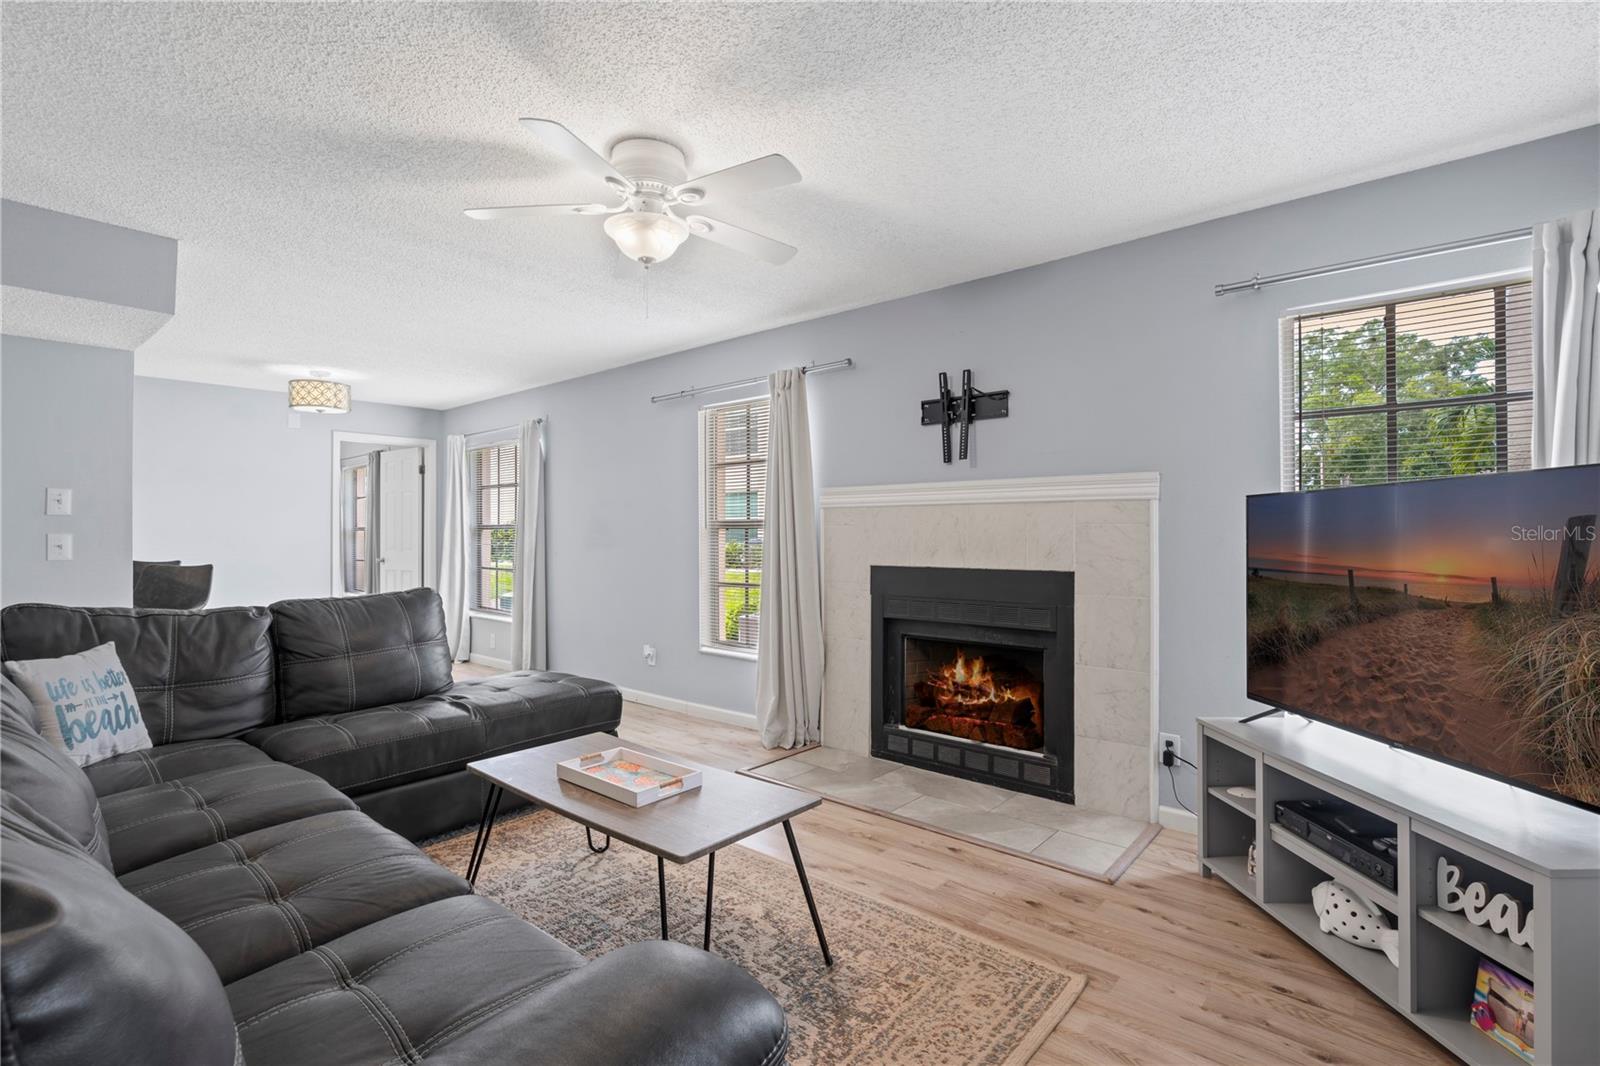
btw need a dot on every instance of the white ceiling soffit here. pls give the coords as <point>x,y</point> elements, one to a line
<point>76,320</point>
<point>314,159</point>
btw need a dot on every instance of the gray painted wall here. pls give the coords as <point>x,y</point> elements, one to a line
<point>66,412</point>
<point>72,256</point>
<point>1118,360</point>
<point>219,477</point>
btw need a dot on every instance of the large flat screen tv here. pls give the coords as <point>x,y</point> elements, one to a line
<point>1459,618</point>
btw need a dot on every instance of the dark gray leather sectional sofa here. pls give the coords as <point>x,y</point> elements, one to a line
<point>230,892</point>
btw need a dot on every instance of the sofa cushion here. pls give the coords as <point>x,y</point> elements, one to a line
<point>42,776</point>
<point>159,821</point>
<point>263,897</point>
<point>198,674</point>
<point>538,706</point>
<point>390,991</point>
<point>351,652</point>
<point>515,995</point>
<point>91,974</point>
<point>378,748</point>
<point>170,762</point>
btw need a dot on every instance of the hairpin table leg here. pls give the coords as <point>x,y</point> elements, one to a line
<point>589,836</point>
<point>491,804</point>
<point>661,879</point>
<point>711,880</point>
<point>805,885</point>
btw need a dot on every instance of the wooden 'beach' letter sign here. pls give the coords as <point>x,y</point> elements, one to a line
<point>1503,914</point>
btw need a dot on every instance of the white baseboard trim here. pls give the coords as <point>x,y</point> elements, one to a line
<point>695,710</point>
<point>484,660</point>
<point>1179,819</point>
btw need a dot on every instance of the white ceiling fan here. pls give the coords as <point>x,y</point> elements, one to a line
<point>651,179</point>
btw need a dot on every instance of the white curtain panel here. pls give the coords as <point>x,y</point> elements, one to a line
<point>529,639</point>
<point>456,547</point>
<point>1566,337</point>
<point>789,648</point>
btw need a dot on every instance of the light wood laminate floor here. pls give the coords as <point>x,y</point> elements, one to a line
<point>1181,968</point>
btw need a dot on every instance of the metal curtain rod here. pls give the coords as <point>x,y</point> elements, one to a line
<point>509,431</point>
<point>813,368</point>
<point>1259,282</point>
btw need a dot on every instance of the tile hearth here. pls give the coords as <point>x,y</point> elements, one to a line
<point>1085,841</point>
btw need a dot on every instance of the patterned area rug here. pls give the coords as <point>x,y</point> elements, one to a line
<point>903,989</point>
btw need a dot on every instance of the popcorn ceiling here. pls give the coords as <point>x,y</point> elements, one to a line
<point>313,159</point>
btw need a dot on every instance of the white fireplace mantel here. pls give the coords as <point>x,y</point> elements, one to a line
<point>1134,486</point>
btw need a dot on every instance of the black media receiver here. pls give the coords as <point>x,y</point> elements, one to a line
<point>1362,841</point>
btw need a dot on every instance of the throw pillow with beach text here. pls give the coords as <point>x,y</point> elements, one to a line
<point>86,703</point>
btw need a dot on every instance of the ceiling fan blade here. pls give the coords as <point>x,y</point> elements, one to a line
<point>741,240</point>
<point>768,172</point>
<point>565,143</point>
<point>537,209</point>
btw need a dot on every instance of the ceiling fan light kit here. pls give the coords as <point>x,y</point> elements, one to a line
<point>651,179</point>
<point>647,238</point>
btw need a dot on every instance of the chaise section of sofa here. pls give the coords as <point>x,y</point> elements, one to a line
<point>516,995</point>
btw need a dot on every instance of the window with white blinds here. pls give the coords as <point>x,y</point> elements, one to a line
<point>733,511</point>
<point>494,526</point>
<point>1424,387</point>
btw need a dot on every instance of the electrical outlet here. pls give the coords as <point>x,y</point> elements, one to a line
<point>493,639</point>
<point>649,654</point>
<point>1163,739</point>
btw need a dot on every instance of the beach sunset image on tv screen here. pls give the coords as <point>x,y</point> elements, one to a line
<point>1457,617</point>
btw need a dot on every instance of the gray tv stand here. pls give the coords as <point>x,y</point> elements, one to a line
<point>1545,851</point>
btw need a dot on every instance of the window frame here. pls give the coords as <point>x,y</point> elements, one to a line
<point>1292,455</point>
<point>350,496</point>
<point>709,591</point>
<point>476,564</point>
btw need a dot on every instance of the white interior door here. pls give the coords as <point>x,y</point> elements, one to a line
<point>399,519</point>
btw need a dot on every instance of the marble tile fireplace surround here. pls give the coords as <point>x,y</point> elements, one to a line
<point>1099,528</point>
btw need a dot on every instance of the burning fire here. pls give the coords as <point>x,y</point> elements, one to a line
<point>967,696</point>
<point>970,681</point>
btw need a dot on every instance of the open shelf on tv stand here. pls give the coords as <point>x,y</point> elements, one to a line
<point>1550,850</point>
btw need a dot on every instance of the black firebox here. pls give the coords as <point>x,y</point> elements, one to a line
<point>972,674</point>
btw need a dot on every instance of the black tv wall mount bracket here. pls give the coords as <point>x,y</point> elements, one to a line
<point>962,409</point>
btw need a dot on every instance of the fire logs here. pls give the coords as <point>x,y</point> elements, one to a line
<point>967,698</point>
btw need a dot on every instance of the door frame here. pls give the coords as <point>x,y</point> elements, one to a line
<point>430,497</point>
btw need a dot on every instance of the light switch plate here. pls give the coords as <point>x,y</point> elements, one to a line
<point>58,547</point>
<point>57,501</point>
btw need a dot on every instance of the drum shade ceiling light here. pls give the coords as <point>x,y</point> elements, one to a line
<point>319,396</point>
